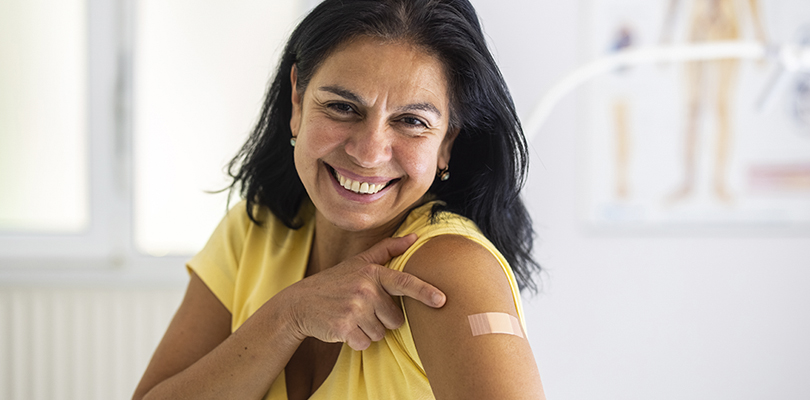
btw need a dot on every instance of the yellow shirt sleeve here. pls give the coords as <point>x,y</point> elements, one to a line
<point>217,263</point>
<point>446,224</point>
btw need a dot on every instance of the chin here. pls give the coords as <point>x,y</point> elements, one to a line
<point>356,223</point>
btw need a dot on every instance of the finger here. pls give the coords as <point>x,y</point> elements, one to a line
<point>398,283</point>
<point>388,313</point>
<point>372,328</point>
<point>387,249</point>
<point>357,340</point>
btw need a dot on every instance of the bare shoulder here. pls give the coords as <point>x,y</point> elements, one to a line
<point>465,271</point>
<point>459,364</point>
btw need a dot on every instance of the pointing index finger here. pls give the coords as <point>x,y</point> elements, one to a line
<point>398,283</point>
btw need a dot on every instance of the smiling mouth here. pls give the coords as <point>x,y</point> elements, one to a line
<point>357,186</point>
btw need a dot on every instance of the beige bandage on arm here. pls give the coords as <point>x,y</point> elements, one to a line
<point>494,322</point>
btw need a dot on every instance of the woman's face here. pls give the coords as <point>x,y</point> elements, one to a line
<point>371,131</point>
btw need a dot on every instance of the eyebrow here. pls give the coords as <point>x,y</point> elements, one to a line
<point>349,95</point>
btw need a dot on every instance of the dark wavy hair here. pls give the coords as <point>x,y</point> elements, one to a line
<point>489,155</point>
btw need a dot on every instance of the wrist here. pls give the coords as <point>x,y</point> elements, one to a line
<point>288,317</point>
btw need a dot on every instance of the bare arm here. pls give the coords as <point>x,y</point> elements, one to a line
<point>459,365</point>
<point>198,357</point>
<point>351,302</point>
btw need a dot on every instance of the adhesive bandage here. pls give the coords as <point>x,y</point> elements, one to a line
<point>494,322</point>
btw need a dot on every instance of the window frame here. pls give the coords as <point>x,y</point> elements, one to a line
<point>105,252</point>
<point>95,246</point>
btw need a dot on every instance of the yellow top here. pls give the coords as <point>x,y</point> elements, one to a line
<point>244,265</point>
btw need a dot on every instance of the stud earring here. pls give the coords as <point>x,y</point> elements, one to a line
<point>443,174</point>
<point>292,141</point>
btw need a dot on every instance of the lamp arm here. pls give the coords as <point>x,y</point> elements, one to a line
<point>648,55</point>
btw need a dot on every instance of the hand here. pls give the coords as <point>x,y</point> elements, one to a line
<point>351,302</point>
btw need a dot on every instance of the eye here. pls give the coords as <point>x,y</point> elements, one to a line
<point>341,108</point>
<point>413,122</point>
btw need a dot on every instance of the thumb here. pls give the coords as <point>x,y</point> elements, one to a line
<point>387,249</point>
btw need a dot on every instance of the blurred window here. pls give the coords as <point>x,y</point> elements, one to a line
<point>200,72</point>
<point>118,117</point>
<point>44,179</point>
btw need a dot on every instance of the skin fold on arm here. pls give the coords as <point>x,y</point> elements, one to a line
<point>458,364</point>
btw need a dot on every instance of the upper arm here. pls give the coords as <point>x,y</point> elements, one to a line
<point>201,323</point>
<point>459,365</point>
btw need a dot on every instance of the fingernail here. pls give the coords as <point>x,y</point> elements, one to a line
<point>438,299</point>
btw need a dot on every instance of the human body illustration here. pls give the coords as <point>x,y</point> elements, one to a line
<point>800,93</point>
<point>623,39</point>
<point>710,20</point>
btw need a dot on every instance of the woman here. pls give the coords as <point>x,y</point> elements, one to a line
<point>349,201</point>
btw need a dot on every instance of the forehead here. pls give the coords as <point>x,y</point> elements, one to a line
<point>396,69</point>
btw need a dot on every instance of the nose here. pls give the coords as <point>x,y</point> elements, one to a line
<point>370,145</point>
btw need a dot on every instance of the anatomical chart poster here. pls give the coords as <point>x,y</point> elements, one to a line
<point>692,143</point>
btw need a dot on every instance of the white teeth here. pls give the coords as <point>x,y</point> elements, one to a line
<point>358,187</point>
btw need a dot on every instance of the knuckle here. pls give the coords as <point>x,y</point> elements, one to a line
<point>368,269</point>
<point>364,291</point>
<point>377,334</point>
<point>358,341</point>
<point>404,280</point>
<point>353,309</point>
<point>425,292</point>
<point>343,329</point>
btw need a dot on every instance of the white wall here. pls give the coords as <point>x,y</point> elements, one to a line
<point>709,316</point>
<point>636,316</point>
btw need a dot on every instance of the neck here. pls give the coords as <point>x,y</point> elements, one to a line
<point>332,245</point>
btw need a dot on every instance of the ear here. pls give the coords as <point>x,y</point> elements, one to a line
<point>295,118</point>
<point>446,147</point>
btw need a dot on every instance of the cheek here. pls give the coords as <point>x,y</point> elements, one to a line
<point>318,139</point>
<point>309,148</point>
<point>420,161</point>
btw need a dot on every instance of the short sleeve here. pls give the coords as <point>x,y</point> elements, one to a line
<point>217,263</point>
<point>445,224</point>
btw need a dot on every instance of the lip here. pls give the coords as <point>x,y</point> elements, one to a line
<point>370,179</point>
<point>357,197</point>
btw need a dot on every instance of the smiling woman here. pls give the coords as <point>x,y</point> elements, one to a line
<point>376,115</point>
<point>351,267</point>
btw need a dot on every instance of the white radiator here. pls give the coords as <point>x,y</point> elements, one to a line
<point>79,343</point>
